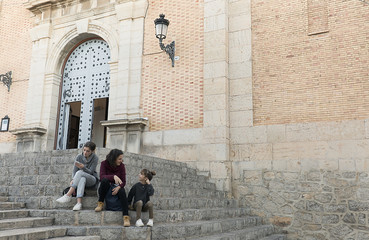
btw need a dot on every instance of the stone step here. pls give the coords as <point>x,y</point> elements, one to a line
<point>249,233</point>
<point>202,228</point>
<point>62,174</point>
<point>33,233</point>
<point>3,198</point>
<point>111,232</point>
<point>29,222</point>
<point>197,203</point>
<point>275,237</point>
<point>165,169</point>
<point>160,203</point>
<point>160,191</point>
<point>90,217</point>
<point>8,214</point>
<point>59,175</point>
<point>77,238</point>
<point>11,205</point>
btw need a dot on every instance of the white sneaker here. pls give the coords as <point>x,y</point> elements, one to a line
<point>139,223</point>
<point>77,207</point>
<point>150,223</point>
<point>64,199</point>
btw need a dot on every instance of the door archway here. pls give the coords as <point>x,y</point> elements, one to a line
<point>84,95</point>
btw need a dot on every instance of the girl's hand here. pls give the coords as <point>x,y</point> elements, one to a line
<point>147,181</point>
<point>115,190</point>
<point>117,180</point>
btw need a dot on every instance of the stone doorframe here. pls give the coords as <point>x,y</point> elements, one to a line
<point>53,36</point>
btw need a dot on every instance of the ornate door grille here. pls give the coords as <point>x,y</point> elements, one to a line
<point>85,78</point>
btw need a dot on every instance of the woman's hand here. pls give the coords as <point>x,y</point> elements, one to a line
<point>115,190</point>
<point>147,181</point>
<point>117,180</point>
<point>79,165</point>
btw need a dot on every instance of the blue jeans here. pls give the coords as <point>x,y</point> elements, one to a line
<point>82,179</point>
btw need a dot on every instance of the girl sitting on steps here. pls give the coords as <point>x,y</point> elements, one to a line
<point>141,193</point>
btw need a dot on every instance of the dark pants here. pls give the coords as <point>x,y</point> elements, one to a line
<point>138,206</point>
<point>104,188</point>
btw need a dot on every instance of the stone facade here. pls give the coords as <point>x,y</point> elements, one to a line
<point>266,98</point>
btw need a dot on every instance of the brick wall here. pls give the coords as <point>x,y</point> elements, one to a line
<point>15,52</point>
<point>299,76</point>
<point>172,98</point>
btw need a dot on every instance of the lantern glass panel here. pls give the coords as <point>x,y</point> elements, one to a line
<point>161,31</point>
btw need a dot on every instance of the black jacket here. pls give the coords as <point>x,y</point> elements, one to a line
<point>141,192</point>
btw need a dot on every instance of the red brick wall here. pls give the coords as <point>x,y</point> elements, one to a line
<point>299,77</point>
<point>15,52</point>
<point>172,98</point>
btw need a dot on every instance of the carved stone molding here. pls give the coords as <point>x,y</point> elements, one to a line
<point>29,139</point>
<point>125,134</point>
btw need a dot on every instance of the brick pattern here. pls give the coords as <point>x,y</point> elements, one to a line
<point>317,16</point>
<point>172,98</point>
<point>302,78</point>
<point>15,52</point>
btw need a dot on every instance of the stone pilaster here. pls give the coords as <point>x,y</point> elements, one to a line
<point>29,137</point>
<point>214,152</point>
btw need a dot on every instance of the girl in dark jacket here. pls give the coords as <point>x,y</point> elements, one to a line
<point>141,193</point>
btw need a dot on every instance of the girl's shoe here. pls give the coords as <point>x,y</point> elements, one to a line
<point>64,199</point>
<point>150,223</point>
<point>139,223</point>
<point>77,207</point>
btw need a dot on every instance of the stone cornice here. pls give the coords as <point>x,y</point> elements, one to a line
<point>29,131</point>
<point>37,4</point>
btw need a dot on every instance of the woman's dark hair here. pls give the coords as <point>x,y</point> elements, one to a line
<point>90,145</point>
<point>147,173</point>
<point>112,156</point>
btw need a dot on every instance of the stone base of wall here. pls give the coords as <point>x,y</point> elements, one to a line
<point>309,205</point>
<point>7,147</point>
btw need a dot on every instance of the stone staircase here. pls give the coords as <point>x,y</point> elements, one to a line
<point>186,204</point>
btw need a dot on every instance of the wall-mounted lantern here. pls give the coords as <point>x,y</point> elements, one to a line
<point>161,28</point>
<point>5,124</point>
<point>6,79</point>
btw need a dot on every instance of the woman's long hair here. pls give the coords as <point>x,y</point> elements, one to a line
<point>112,156</point>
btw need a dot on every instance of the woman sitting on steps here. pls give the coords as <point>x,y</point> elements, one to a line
<point>84,175</point>
<point>113,171</point>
